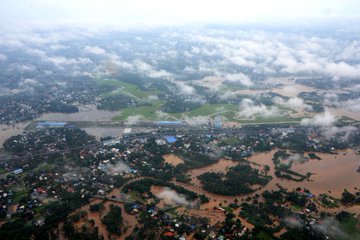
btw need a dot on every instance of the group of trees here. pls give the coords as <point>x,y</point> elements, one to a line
<point>179,105</point>
<point>59,138</point>
<point>237,180</point>
<point>144,185</point>
<point>118,102</point>
<point>113,220</point>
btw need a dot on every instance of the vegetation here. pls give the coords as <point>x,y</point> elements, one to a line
<point>113,220</point>
<point>144,186</point>
<point>237,180</point>
<point>117,102</point>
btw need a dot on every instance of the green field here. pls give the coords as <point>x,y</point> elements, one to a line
<point>147,112</point>
<point>125,88</point>
<point>227,111</point>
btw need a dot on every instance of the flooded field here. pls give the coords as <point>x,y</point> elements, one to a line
<point>333,172</point>
<point>173,159</point>
<point>129,221</point>
<point>292,90</point>
<point>220,166</point>
<point>86,113</point>
<point>338,112</point>
<point>11,130</point>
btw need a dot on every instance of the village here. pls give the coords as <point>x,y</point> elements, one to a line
<point>171,179</point>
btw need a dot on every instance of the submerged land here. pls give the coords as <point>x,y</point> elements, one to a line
<point>200,136</point>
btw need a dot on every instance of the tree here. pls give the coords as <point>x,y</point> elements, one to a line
<point>113,220</point>
<point>347,197</point>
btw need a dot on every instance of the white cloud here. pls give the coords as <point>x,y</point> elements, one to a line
<point>343,69</point>
<point>2,57</point>
<point>239,78</point>
<point>172,197</point>
<point>331,227</point>
<point>196,121</point>
<point>185,89</point>
<point>325,119</point>
<point>58,47</point>
<point>147,69</point>
<point>294,103</point>
<point>343,132</point>
<point>249,109</point>
<point>134,119</point>
<point>95,50</point>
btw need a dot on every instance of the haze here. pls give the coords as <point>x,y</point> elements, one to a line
<point>169,12</point>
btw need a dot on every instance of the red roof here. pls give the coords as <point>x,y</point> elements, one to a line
<point>41,190</point>
<point>168,234</point>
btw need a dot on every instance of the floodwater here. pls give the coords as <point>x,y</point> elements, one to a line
<point>220,166</point>
<point>86,113</point>
<point>338,112</point>
<point>333,172</point>
<point>129,221</point>
<point>173,159</point>
<point>11,130</point>
<point>292,90</point>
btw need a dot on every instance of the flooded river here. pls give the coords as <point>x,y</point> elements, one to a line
<point>86,113</point>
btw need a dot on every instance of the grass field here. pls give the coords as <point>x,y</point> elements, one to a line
<point>227,111</point>
<point>126,88</point>
<point>147,112</point>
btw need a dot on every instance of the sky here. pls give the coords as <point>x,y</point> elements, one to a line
<point>121,12</point>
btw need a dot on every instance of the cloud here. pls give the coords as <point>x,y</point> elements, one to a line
<point>325,119</point>
<point>294,222</point>
<point>150,71</point>
<point>29,81</point>
<point>184,88</point>
<point>119,167</point>
<point>95,50</point>
<point>60,61</point>
<point>343,69</point>
<point>134,119</point>
<point>331,227</point>
<point>23,67</point>
<point>352,105</point>
<point>152,98</point>
<point>58,47</point>
<point>196,121</point>
<point>249,109</point>
<point>2,57</point>
<point>294,103</point>
<point>239,78</point>
<point>299,158</point>
<point>343,132</point>
<point>172,197</point>
<point>332,99</point>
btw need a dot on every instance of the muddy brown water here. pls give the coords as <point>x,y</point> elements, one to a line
<point>333,172</point>
<point>173,159</point>
<point>6,131</point>
<point>86,113</point>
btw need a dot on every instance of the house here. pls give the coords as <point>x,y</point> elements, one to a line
<point>170,139</point>
<point>18,171</point>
